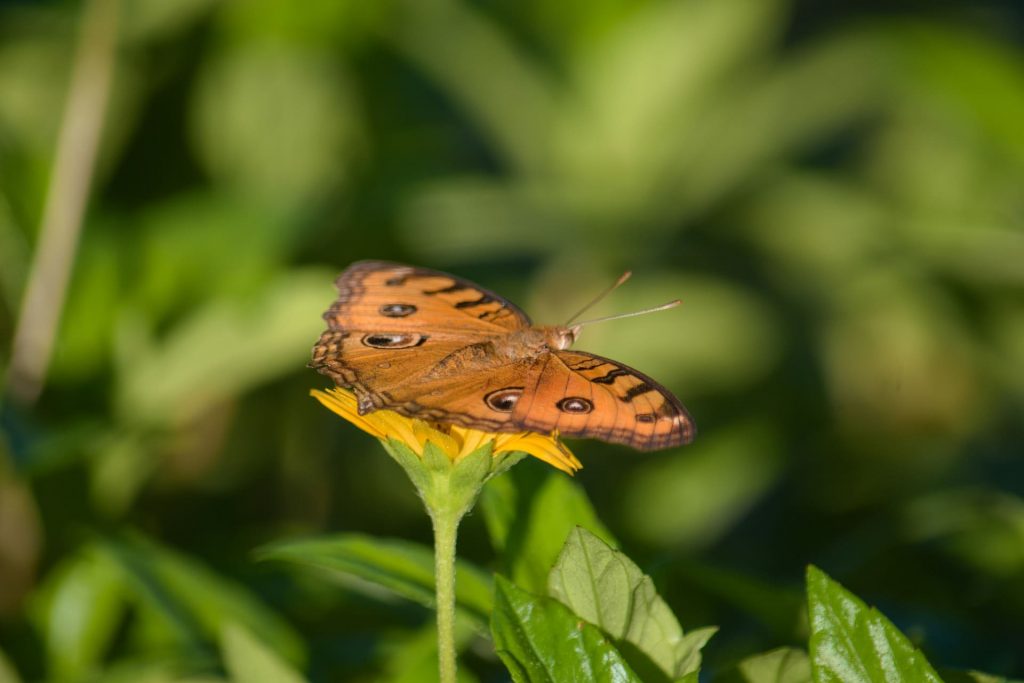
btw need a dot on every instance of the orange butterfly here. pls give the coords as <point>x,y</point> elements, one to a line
<point>434,346</point>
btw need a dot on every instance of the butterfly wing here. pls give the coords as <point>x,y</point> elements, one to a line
<point>399,334</point>
<point>432,384</point>
<point>383,296</point>
<point>580,394</point>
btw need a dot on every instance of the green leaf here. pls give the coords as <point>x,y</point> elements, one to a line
<point>607,589</point>
<point>784,665</point>
<point>400,566</point>
<point>853,643</point>
<point>529,512</point>
<point>690,648</point>
<point>247,660</point>
<point>540,640</point>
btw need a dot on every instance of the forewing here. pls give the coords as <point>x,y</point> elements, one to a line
<point>383,296</point>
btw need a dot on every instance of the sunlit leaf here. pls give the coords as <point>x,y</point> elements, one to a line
<point>541,641</point>
<point>607,589</point>
<point>402,567</point>
<point>852,643</point>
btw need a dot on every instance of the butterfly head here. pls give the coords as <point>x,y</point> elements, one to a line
<point>561,338</point>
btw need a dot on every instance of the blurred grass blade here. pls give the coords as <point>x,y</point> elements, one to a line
<point>66,199</point>
<point>247,660</point>
<point>607,589</point>
<point>402,567</point>
<point>852,643</point>
<point>541,641</point>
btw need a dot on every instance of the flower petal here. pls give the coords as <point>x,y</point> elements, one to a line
<point>424,433</point>
<point>546,448</point>
<point>456,443</point>
<point>399,427</point>
<point>470,439</point>
<point>343,403</point>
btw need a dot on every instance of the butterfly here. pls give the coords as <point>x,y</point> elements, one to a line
<point>437,347</point>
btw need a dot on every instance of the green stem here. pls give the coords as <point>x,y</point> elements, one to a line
<point>446,524</point>
<point>449,489</point>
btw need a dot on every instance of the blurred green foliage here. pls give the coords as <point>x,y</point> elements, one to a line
<point>835,193</point>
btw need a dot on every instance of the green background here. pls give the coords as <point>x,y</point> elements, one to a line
<point>834,190</point>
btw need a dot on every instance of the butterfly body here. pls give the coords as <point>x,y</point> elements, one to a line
<point>431,345</point>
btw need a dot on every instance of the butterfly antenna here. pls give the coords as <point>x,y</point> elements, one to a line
<point>663,307</point>
<point>618,283</point>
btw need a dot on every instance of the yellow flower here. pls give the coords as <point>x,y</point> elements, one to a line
<point>456,442</point>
